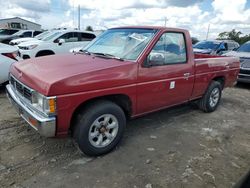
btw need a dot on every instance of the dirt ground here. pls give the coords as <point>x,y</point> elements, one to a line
<point>177,148</point>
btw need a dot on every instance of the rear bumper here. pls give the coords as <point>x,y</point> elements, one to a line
<point>46,126</point>
<point>244,78</point>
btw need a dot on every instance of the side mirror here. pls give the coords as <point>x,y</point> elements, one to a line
<point>155,59</point>
<point>61,41</point>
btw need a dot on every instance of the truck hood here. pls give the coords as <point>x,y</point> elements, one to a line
<point>30,42</point>
<point>71,73</point>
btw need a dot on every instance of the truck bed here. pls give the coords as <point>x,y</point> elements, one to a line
<point>210,66</point>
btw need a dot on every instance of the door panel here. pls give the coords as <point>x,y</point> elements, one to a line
<point>168,81</point>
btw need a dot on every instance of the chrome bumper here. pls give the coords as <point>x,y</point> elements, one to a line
<point>46,126</point>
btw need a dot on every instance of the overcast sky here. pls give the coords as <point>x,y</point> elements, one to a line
<point>194,15</point>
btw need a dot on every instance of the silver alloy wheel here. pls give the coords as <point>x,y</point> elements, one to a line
<point>214,97</point>
<point>103,130</point>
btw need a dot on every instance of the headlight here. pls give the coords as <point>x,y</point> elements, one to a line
<point>32,46</point>
<point>28,47</point>
<point>46,105</point>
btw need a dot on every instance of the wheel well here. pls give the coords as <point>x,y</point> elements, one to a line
<point>44,52</point>
<point>120,99</point>
<point>220,79</point>
<point>26,57</point>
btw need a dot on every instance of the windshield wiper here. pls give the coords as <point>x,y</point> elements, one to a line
<point>108,56</point>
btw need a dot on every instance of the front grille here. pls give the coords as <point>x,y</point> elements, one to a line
<point>19,87</point>
<point>27,94</point>
<point>23,90</point>
<point>244,71</point>
<point>246,65</point>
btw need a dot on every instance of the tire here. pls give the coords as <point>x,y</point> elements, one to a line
<point>211,99</point>
<point>92,132</point>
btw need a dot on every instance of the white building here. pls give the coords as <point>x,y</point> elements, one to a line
<point>19,23</point>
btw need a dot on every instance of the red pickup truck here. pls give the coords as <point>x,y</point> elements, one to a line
<point>125,73</point>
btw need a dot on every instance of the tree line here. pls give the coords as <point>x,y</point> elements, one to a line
<point>234,35</point>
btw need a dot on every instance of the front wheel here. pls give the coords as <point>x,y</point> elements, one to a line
<point>211,99</point>
<point>99,128</point>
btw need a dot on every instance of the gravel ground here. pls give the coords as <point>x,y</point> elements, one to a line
<point>181,147</point>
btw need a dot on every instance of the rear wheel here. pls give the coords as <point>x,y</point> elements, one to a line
<point>99,128</point>
<point>210,101</point>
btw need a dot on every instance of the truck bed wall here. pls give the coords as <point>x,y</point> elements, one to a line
<point>209,67</point>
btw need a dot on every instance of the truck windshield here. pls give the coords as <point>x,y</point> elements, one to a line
<point>125,43</point>
<point>244,48</point>
<point>207,45</point>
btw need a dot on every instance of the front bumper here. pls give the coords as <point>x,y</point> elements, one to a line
<point>46,126</point>
<point>26,54</point>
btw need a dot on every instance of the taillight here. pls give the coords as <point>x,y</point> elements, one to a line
<point>12,55</point>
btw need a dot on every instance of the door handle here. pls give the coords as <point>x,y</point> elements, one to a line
<point>186,75</point>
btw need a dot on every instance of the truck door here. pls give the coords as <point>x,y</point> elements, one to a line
<point>166,76</point>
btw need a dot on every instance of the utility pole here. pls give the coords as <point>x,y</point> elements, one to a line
<point>208,29</point>
<point>73,14</point>
<point>166,19</point>
<point>79,17</point>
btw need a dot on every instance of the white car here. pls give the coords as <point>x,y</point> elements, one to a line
<point>59,41</point>
<point>26,39</point>
<point>19,34</point>
<point>8,55</point>
<point>75,50</point>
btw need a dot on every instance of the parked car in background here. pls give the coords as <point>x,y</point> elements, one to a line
<point>75,50</point>
<point>7,32</point>
<point>91,94</point>
<point>59,41</point>
<point>80,48</point>
<point>215,47</point>
<point>243,52</point>
<point>26,39</point>
<point>194,40</point>
<point>8,55</point>
<point>19,34</point>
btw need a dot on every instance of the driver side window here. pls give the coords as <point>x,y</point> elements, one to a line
<point>170,49</point>
<point>68,37</point>
<point>27,34</point>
